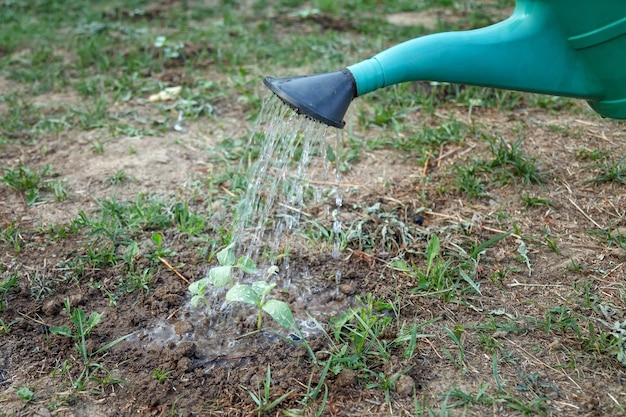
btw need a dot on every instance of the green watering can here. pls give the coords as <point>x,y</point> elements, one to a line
<point>572,48</point>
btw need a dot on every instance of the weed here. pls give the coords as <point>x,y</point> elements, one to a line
<point>530,201</point>
<point>535,406</point>
<point>11,236</point>
<point>594,155</point>
<point>511,156</point>
<point>263,398</point>
<point>28,182</point>
<point>40,285</point>
<point>97,147</point>
<point>186,221</point>
<point>458,336</point>
<point>161,375</point>
<point>82,326</point>
<point>160,251</point>
<point>552,243</point>
<point>119,177</point>
<point>612,171</point>
<point>467,181</point>
<point>5,286</point>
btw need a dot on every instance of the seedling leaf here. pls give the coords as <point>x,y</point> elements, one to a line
<point>431,252</point>
<point>523,251</point>
<point>243,294</point>
<point>227,255</point>
<point>262,288</point>
<point>470,281</point>
<point>221,275</point>
<point>92,321</point>
<point>280,312</point>
<point>195,300</point>
<point>246,265</point>
<point>61,331</point>
<point>197,287</point>
<point>401,266</point>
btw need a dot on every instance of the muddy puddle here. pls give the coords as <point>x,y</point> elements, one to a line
<point>221,330</point>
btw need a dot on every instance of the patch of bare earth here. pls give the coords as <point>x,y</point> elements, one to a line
<point>530,363</point>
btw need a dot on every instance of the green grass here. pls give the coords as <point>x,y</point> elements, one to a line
<point>100,61</point>
<point>31,183</point>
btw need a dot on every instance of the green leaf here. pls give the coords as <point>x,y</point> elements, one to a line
<point>92,321</point>
<point>25,394</point>
<point>157,239</point>
<point>488,243</point>
<point>197,287</point>
<point>243,294</point>
<point>61,331</point>
<point>195,300</point>
<point>227,255</point>
<point>78,318</point>
<point>401,266</point>
<point>247,265</point>
<point>262,288</point>
<point>280,312</point>
<point>470,281</point>
<point>431,252</point>
<point>130,252</point>
<point>221,275</point>
<point>113,343</point>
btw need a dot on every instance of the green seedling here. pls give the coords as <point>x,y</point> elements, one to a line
<point>221,275</point>
<point>11,236</point>
<point>161,375</point>
<point>256,295</point>
<point>25,394</point>
<point>457,334</point>
<point>517,163</point>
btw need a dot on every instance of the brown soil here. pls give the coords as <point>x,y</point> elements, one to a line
<point>577,381</point>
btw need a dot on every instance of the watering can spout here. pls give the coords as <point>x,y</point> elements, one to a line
<point>546,46</point>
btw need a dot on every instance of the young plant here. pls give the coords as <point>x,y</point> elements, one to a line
<point>161,375</point>
<point>5,287</point>
<point>262,398</point>
<point>25,394</point>
<point>221,275</point>
<point>82,326</point>
<point>256,295</point>
<point>28,182</point>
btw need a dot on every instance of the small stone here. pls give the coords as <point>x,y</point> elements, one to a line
<point>182,327</point>
<point>184,364</point>
<point>42,412</point>
<point>346,378</point>
<point>76,299</point>
<point>346,289</point>
<point>405,385</point>
<point>52,307</point>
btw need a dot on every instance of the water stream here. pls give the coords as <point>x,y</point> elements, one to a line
<point>291,174</point>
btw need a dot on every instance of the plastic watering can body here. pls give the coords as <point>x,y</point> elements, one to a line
<point>573,48</point>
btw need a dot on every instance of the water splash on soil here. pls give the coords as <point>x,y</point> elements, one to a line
<point>289,176</point>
